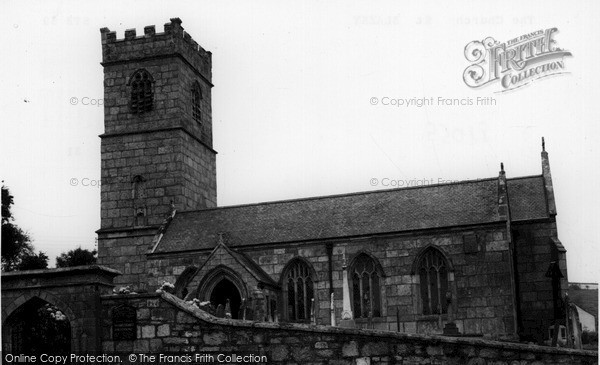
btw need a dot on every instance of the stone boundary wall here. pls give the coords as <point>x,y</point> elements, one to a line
<point>166,324</point>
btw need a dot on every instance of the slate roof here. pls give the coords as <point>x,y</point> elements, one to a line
<point>365,213</point>
<point>527,198</point>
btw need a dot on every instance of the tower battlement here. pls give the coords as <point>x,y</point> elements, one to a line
<point>173,41</point>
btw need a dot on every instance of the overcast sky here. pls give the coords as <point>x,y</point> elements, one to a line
<point>292,104</point>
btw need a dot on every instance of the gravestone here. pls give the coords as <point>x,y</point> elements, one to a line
<point>450,329</point>
<point>220,311</point>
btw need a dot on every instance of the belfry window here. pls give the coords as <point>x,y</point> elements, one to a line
<point>196,100</point>
<point>298,291</point>
<point>366,292</point>
<point>142,94</point>
<point>433,275</point>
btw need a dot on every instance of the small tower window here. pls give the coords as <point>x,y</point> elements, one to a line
<point>196,100</point>
<point>142,95</point>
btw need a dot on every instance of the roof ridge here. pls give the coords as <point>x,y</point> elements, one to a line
<point>524,177</point>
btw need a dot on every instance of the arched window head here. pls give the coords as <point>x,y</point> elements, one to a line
<point>298,291</point>
<point>433,275</point>
<point>366,276</point>
<point>196,100</point>
<point>142,94</point>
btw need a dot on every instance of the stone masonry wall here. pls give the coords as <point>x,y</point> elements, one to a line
<point>534,252</point>
<point>168,325</point>
<point>480,281</point>
<point>173,171</point>
<point>126,252</point>
<point>171,267</point>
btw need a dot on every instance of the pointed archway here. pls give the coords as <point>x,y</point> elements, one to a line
<point>220,284</point>
<point>37,327</point>
<point>225,291</point>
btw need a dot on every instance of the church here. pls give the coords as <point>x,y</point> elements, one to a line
<point>457,272</point>
<point>477,253</point>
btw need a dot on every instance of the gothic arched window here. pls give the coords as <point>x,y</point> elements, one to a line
<point>196,100</point>
<point>298,290</point>
<point>433,275</point>
<point>142,94</point>
<point>366,292</point>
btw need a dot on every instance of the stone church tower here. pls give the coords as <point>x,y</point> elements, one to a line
<point>156,149</point>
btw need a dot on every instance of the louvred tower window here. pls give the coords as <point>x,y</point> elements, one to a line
<point>142,94</point>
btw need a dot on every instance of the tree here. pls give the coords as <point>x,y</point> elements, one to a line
<point>76,257</point>
<point>16,243</point>
<point>33,262</point>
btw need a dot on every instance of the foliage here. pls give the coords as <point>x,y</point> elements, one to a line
<point>33,262</point>
<point>38,327</point>
<point>205,306</point>
<point>17,250</point>
<point>167,287</point>
<point>76,257</point>
<point>124,290</point>
<point>7,201</point>
<point>50,330</point>
<point>15,245</point>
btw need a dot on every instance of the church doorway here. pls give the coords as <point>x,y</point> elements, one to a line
<point>37,327</point>
<point>224,290</point>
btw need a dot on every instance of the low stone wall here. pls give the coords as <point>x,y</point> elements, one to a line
<point>166,324</point>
